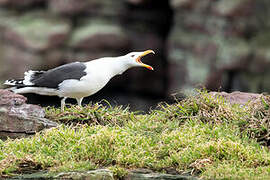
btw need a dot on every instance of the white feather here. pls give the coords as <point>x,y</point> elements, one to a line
<point>27,77</point>
<point>9,83</point>
<point>37,90</point>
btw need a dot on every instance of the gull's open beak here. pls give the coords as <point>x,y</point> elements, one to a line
<point>142,55</point>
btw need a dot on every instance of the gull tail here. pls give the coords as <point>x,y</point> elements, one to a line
<point>26,85</point>
<point>29,76</point>
<point>14,82</point>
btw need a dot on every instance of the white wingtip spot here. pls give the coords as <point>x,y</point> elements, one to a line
<point>27,77</point>
<point>9,82</point>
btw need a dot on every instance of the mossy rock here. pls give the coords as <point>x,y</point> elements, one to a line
<point>35,31</point>
<point>96,35</point>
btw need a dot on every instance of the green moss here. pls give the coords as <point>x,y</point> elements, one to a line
<point>261,40</point>
<point>200,135</point>
<point>36,28</point>
<point>95,28</point>
<point>226,6</point>
<point>118,172</point>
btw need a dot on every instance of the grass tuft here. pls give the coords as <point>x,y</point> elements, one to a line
<point>97,114</point>
<point>202,135</point>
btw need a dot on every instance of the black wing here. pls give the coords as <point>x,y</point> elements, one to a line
<point>52,78</point>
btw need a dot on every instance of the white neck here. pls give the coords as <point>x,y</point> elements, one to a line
<point>111,66</point>
<point>118,65</point>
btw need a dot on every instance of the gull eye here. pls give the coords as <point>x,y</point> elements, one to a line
<point>132,55</point>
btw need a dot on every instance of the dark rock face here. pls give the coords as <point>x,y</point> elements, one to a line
<point>44,35</point>
<point>18,119</point>
<point>94,7</point>
<point>99,36</point>
<point>218,44</point>
<point>34,31</point>
<point>19,3</point>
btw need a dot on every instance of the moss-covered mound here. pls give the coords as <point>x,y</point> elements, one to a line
<point>203,136</point>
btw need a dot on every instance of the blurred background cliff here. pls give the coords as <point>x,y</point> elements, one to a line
<point>217,44</point>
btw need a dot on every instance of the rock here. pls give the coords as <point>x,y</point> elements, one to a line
<point>87,55</point>
<point>104,174</point>
<point>234,8</point>
<point>157,176</point>
<point>18,119</point>
<point>191,58</point>
<point>100,174</point>
<point>35,31</point>
<point>69,7</point>
<point>238,97</point>
<point>136,2</point>
<point>15,61</point>
<point>219,45</point>
<point>147,23</point>
<point>19,3</point>
<point>180,4</point>
<point>99,36</point>
<point>8,99</point>
<point>53,58</point>
<point>146,175</point>
<point>94,7</point>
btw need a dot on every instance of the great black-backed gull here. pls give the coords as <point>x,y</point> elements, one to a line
<point>78,79</point>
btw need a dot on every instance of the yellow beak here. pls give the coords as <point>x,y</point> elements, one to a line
<point>142,55</point>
